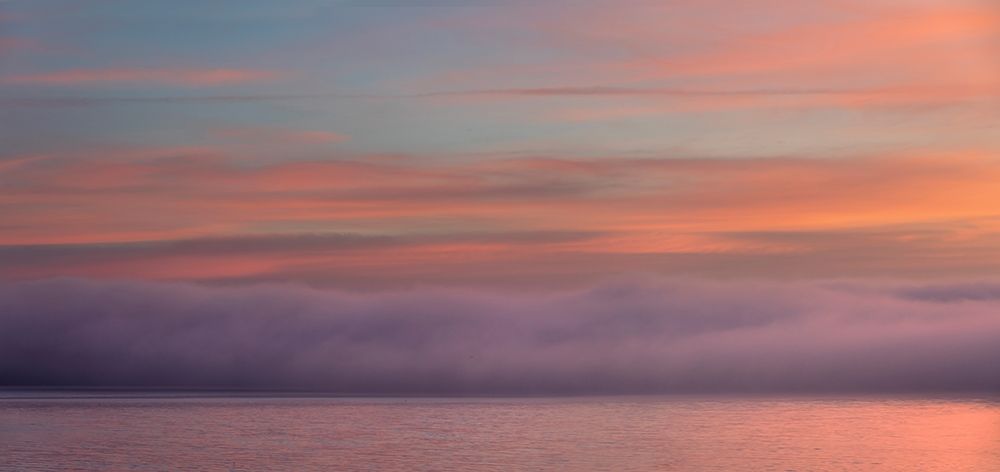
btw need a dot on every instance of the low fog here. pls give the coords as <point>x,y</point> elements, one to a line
<point>636,335</point>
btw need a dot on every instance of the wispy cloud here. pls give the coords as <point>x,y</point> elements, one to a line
<point>181,77</point>
<point>9,45</point>
<point>630,91</point>
<point>837,55</point>
<point>278,135</point>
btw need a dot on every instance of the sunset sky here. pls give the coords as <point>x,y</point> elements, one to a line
<point>374,146</point>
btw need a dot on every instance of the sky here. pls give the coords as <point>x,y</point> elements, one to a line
<point>333,164</point>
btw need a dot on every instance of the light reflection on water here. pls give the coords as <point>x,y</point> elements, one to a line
<point>576,434</point>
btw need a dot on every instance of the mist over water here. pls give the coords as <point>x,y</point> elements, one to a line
<point>633,335</point>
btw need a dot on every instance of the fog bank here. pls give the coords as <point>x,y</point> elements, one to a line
<point>640,335</point>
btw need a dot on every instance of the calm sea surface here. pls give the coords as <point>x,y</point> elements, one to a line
<point>147,433</point>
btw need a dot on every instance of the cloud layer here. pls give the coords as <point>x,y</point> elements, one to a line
<point>625,336</point>
<point>554,220</point>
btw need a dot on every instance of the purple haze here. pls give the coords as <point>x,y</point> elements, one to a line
<point>639,335</point>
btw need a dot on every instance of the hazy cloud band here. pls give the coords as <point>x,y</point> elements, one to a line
<point>625,336</point>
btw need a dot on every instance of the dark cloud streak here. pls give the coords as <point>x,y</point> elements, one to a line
<point>12,255</point>
<point>540,92</point>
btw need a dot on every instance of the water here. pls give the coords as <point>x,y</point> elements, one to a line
<point>171,433</point>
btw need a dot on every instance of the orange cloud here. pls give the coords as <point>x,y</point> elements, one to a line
<point>900,39</point>
<point>623,196</point>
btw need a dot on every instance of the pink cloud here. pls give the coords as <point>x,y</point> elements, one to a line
<point>11,164</point>
<point>16,44</point>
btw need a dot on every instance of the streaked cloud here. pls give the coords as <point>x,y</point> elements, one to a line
<point>885,215</point>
